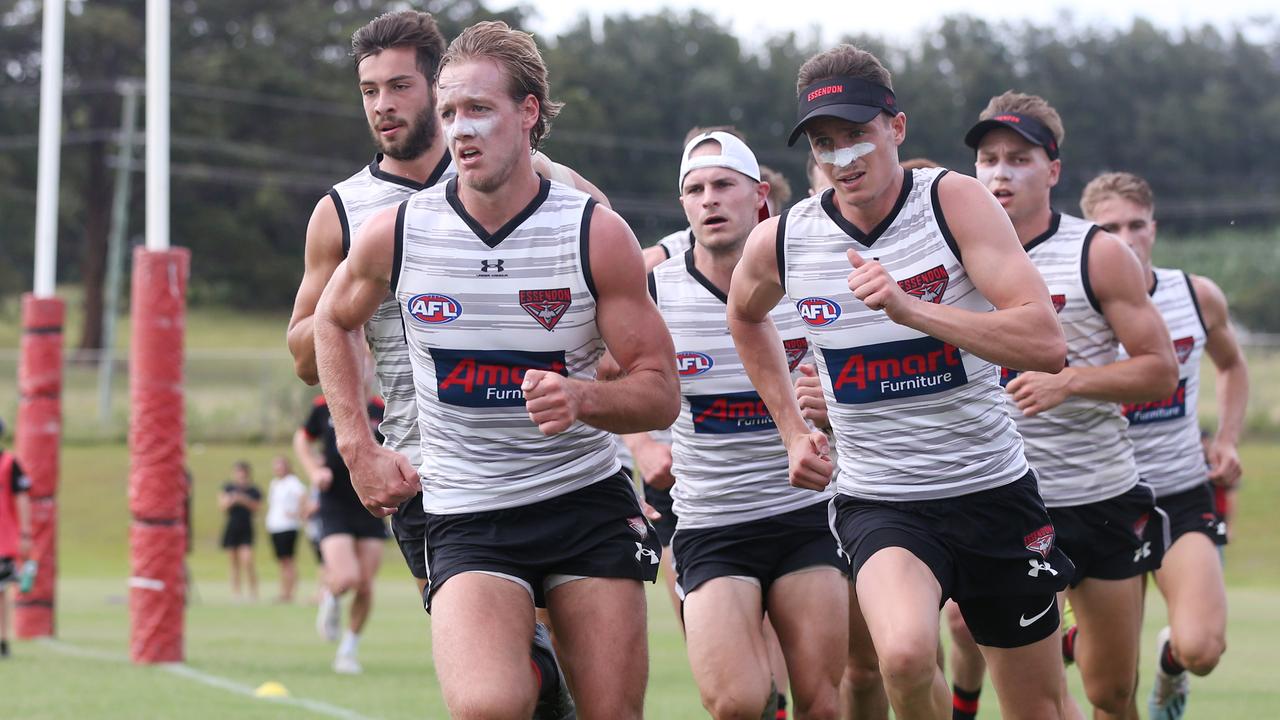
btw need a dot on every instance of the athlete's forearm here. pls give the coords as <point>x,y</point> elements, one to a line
<point>638,442</point>
<point>1136,379</point>
<point>645,399</point>
<point>305,454</point>
<point>302,345</point>
<point>1233,398</point>
<point>1025,337</point>
<point>338,353</point>
<point>760,347</point>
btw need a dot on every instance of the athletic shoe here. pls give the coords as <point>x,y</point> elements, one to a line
<point>327,617</point>
<point>4,647</point>
<point>1168,700</point>
<point>559,705</point>
<point>346,664</point>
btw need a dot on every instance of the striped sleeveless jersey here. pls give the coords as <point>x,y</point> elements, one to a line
<point>1079,449</point>
<point>479,310</point>
<point>1165,433</point>
<point>676,243</point>
<point>915,418</point>
<point>729,463</point>
<point>357,199</point>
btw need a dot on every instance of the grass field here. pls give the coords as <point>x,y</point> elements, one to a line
<point>239,646</point>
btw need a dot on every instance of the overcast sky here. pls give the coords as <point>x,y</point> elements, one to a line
<point>902,19</point>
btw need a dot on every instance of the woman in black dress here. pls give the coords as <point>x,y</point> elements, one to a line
<point>240,499</point>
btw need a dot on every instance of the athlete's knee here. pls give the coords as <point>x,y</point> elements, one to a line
<point>861,675</point>
<point>737,703</point>
<point>820,703</point>
<point>1110,696</point>
<point>479,703</point>
<point>343,580</point>
<point>1200,653</point>
<point>906,664</point>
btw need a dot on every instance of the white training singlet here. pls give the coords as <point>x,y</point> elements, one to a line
<point>357,199</point>
<point>1165,433</point>
<point>915,418</point>
<point>676,243</point>
<point>1079,449</point>
<point>729,463</point>
<point>479,310</point>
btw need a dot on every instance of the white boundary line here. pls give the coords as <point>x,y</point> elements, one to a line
<point>190,673</point>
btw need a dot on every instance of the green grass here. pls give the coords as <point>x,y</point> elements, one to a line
<point>250,644</point>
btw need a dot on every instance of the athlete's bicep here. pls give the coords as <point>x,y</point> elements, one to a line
<point>361,282</point>
<point>756,286</point>
<point>629,322</point>
<point>1120,287</point>
<point>989,248</point>
<point>1220,338</point>
<point>322,253</point>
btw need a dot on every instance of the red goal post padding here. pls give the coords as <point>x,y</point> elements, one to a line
<point>157,436</point>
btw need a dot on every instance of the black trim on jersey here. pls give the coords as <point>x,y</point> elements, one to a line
<point>780,248</point>
<point>653,287</point>
<point>496,237</point>
<point>376,171</point>
<point>397,255</point>
<point>1195,301</point>
<point>434,177</point>
<point>584,244</point>
<point>703,280</point>
<point>664,250</point>
<point>867,239</point>
<point>1054,221</point>
<point>1084,268</point>
<point>942,219</point>
<point>1155,283</point>
<point>342,219</point>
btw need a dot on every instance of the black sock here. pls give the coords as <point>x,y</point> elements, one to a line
<point>544,667</point>
<point>1167,662</point>
<point>4,648</point>
<point>782,707</point>
<point>964,703</point>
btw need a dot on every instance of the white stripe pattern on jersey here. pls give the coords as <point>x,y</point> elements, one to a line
<point>1166,433</point>
<point>1079,449</point>
<point>914,418</point>
<point>357,199</point>
<point>479,310</point>
<point>677,243</point>
<point>728,460</point>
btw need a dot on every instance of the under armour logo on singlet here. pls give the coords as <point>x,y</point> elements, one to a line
<point>491,266</point>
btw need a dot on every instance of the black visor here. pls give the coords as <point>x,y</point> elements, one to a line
<point>1031,129</point>
<point>847,98</point>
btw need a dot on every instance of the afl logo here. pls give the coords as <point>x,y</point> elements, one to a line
<point>434,309</point>
<point>689,364</point>
<point>818,311</point>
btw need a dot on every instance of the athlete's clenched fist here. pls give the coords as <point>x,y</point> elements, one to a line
<point>551,400</point>
<point>873,285</point>
<point>809,461</point>
<point>382,479</point>
<point>813,404</point>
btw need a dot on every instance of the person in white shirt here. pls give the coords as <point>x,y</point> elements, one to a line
<point>286,499</point>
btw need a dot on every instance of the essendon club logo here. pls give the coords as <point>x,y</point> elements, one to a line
<point>1008,118</point>
<point>1182,347</point>
<point>828,90</point>
<point>796,349</point>
<point>691,363</point>
<point>928,285</point>
<point>818,311</point>
<point>489,378</point>
<point>1170,408</point>
<point>639,526</point>
<point>892,370</point>
<point>1007,376</point>
<point>729,413</point>
<point>1040,541</point>
<point>433,308</point>
<point>1059,302</point>
<point>546,306</point>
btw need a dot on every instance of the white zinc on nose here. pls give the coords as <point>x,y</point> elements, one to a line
<point>844,157</point>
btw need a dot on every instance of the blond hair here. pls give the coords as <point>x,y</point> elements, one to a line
<point>516,54</point>
<point>779,188</point>
<point>1022,104</point>
<point>1116,184</point>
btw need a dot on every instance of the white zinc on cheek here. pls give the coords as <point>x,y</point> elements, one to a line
<point>469,127</point>
<point>844,157</point>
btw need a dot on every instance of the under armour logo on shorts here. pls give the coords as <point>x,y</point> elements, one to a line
<point>642,551</point>
<point>1038,567</point>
